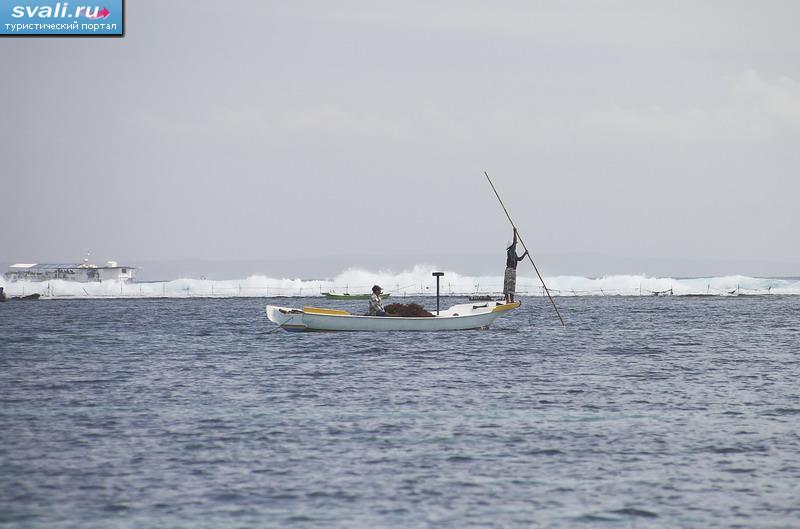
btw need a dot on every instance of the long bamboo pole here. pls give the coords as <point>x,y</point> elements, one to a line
<point>547,290</point>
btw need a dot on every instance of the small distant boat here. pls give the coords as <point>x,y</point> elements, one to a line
<point>29,297</point>
<point>479,297</point>
<point>354,297</point>
<point>457,318</point>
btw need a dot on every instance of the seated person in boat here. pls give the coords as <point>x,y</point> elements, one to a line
<point>510,278</point>
<point>375,303</point>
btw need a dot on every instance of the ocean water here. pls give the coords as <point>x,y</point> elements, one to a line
<point>644,412</point>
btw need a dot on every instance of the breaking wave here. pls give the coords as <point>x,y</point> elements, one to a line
<point>415,282</point>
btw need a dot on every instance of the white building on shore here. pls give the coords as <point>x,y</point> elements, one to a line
<point>80,272</point>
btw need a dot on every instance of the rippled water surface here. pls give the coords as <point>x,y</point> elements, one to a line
<point>644,412</point>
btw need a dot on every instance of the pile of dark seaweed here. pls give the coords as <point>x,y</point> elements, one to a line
<point>411,310</point>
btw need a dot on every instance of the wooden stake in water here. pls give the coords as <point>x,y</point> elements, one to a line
<point>547,290</point>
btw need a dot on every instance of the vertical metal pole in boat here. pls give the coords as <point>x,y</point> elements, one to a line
<point>437,275</point>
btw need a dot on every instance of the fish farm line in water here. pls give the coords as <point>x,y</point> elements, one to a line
<point>259,286</point>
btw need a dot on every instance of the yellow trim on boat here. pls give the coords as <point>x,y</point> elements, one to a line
<point>507,306</point>
<point>329,312</point>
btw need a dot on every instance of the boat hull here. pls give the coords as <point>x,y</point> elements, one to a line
<point>457,318</point>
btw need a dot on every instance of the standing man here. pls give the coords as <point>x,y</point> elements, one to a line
<point>510,278</point>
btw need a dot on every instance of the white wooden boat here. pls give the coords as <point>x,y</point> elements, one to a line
<point>456,318</point>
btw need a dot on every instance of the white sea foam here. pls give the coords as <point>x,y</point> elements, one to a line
<point>414,282</point>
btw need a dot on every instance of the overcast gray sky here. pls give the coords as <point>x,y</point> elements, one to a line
<point>266,130</point>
